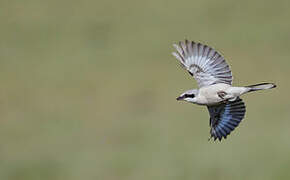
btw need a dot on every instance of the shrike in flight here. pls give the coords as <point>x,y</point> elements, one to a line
<point>214,78</point>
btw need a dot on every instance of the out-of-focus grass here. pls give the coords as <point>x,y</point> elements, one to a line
<point>88,90</point>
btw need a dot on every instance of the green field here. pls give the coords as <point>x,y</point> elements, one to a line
<point>88,90</point>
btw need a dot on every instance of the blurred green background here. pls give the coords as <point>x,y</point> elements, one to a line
<point>88,90</point>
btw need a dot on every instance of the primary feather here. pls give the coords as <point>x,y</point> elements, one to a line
<point>224,118</point>
<point>205,64</point>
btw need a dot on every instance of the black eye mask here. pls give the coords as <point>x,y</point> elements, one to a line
<point>189,95</point>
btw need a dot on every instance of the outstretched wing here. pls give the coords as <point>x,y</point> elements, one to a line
<point>205,64</point>
<point>224,118</point>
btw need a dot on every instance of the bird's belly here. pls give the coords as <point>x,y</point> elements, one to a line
<point>209,95</point>
<point>209,99</point>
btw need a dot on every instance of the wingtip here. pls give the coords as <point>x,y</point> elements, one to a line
<point>215,137</point>
<point>174,54</point>
<point>179,43</point>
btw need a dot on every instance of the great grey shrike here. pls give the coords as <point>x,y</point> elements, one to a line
<point>214,79</point>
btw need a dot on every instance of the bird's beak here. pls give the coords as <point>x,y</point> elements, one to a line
<point>179,98</point>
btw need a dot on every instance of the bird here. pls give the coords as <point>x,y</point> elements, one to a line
<point>214,78</point>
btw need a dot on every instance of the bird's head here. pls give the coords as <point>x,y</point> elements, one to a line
<point>189,96</point>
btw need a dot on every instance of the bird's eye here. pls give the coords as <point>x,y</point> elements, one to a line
<point>189,95</point>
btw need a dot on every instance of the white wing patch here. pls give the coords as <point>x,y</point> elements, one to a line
<point>205,64</point>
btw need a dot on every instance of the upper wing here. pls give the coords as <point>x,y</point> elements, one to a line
<point>204,63</point>
<point>224,118</point>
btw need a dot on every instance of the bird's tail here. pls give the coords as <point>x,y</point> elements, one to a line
<point>261,86</point>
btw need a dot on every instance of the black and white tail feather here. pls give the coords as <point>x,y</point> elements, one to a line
<point>261,86</point>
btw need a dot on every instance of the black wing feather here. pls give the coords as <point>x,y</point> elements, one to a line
<point>225,117</point>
